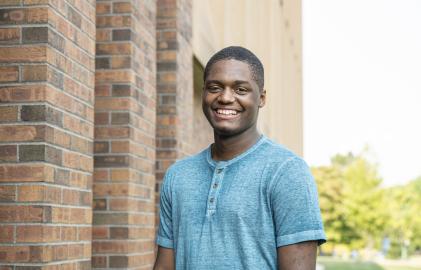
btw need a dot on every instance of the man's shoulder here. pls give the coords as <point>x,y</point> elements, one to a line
<point>276,153</point>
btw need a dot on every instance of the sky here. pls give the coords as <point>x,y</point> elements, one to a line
<point>362,83</point>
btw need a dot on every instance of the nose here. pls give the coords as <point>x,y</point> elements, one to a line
<point>226,96</point>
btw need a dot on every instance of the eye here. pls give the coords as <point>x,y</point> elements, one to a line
<point>213,88</point>
<point>241,90</point>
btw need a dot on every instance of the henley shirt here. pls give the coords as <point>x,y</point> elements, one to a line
<point>234,214</point>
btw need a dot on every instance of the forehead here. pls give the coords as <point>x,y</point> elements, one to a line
<point>230,70</point>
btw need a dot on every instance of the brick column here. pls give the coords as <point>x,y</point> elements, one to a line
<point>174,84</point>
<point>123,231</point>
<point>46,133</point>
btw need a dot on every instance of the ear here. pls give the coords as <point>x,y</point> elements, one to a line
<point>262,98</point>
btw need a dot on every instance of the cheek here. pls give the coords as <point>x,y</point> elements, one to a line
<point>207,100</point>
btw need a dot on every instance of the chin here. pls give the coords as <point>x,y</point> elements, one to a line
<point>227,131</point>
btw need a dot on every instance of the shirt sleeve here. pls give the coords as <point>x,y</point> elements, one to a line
<point>165,232</point>
<point>295,205</point>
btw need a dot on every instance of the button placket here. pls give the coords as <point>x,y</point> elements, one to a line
<point>213,192</point>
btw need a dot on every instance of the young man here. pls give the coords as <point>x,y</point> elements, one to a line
<point>245,202</point>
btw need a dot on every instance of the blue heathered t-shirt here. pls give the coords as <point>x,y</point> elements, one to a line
<point>234,214</point>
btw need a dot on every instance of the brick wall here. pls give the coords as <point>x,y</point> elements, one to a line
<point>56,141</point>
<point>174,84</point>
<point>46,133</point>
<point>125,95</point>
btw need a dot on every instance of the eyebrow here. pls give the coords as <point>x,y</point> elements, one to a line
<point>235,82</point>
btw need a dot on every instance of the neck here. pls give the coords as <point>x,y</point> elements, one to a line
<point>228,147</point>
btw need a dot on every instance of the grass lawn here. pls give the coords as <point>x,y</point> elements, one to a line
<point>337,264</point>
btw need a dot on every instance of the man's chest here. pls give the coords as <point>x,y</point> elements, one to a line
<point>226,195</point>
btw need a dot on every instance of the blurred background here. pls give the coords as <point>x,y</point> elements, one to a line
<point>362,90</point>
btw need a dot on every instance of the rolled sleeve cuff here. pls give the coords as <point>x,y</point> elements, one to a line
<point>289,239</point>
<point>164,242</point>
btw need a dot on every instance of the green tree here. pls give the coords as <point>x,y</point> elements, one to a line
<point>404,226</point>
<point>351,201</point>
<point>363,201</point>
<point>330,185</point>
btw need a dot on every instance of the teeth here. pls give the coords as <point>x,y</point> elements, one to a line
<point>226,112</point>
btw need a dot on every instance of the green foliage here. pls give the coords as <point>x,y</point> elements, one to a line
<point>404,226</point>
<point>338,264</point>
<point>358,212</point>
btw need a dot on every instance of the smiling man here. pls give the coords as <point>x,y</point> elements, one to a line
<point>245,202</point>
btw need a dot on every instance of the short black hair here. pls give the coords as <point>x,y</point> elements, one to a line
<point>240,54</point>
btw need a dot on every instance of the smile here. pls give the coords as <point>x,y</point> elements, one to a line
<point>226,112</point>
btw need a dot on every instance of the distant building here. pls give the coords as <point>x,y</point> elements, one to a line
<point>98,98</point>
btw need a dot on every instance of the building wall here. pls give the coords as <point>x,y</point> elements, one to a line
<point>99,97</point>
<point>174,129</point>
<point>125,101</point>
<point>272,30</point>
<point>47,51</point>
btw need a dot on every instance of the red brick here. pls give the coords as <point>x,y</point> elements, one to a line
<point>99,261</point>
<point>110,76</point>
<point>23,213</point>
<point>120,147</point>
<point>100,204</point>
<point>114,49</point>
<point>22,93</point>
<point>69,233</point>
<point>6,233</point>
<point>111,132</point>
<point>9,35</point>
<point>14,253</point>
<point>100,232</point>
<point>24,16</point>
<point>31,193</point>
<point>120,62</point>
<point>71,197</point>
<point>26,173</point>
<point>9,74</point>
<point>35,2</point>
<point>8,113</point>
<point>103,8</point>
<point>101,175</point>
<point>101,147</point>
<point>37,233</point>
<point>85,233</point>
<point>113,21</point>
<point>10,2</point>
<point>120,175</point>
<point>23,54</point>
<point>7,193</point>
<point>113,104</point>
<point>102,118</point>
<point>122,7</point>
<point>34,73</point>
<point>21,133</point>
<point>103,35</point>
<point>37,193</point>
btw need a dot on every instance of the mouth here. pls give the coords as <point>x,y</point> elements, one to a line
<point>226,114</point>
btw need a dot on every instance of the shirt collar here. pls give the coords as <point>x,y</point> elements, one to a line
<point>225,163</point>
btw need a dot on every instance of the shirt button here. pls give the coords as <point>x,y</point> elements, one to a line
<point>211,200</point>
<point>215,185</point>
<point>219,170</point>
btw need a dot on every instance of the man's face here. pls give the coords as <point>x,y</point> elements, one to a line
<point>231,97</point>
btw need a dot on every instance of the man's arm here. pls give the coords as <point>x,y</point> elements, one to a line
<point>164,259</point>
<point>300,256</point>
